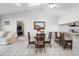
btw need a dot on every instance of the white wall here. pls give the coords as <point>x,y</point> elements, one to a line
<point>0,22</point>
<point>29,17</point>
<point>71,16</point>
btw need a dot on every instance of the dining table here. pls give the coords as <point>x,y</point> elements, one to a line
<point>46,41</point>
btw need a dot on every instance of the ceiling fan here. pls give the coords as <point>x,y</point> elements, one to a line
<point>52,5</point>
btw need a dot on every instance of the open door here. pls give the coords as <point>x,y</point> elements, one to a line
<point>20,28</point>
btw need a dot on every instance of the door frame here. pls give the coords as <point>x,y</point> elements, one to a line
<point>23,27</point>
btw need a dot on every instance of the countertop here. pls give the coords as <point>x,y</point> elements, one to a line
<point>76,33</point>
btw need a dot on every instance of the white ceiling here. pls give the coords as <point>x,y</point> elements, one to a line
<point>7,8</point>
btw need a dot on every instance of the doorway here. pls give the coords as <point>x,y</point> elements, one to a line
<point>20,28</point>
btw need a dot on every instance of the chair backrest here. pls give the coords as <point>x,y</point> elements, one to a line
<point>56,35</point>
<point>41,39</point>
<point>29,36</point>
<point>50,36</point>
<point>62,36</point>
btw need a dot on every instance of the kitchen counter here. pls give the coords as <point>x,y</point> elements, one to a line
<point>76,33</point>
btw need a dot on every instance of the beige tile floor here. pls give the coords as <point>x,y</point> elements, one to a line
<point>20,49</point>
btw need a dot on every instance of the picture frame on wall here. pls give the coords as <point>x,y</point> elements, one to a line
<point>39,25</point>
<point>7,22</point>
